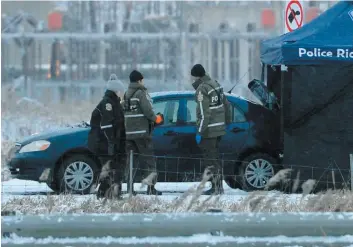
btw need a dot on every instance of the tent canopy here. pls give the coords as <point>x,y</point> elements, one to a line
<point>326,39</point>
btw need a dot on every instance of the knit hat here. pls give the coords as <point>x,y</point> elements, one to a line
<point>114,84</point>
<point>198,71</point>
<point>135,76</point>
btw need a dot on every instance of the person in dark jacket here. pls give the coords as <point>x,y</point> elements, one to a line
<point>211,123</point>
<point>107,138</point>
<point>139,121</point>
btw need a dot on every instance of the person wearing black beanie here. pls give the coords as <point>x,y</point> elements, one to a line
<point>198,71</point>
<point>139,121</point>
<point>135,76</point>
<point>212,117</point>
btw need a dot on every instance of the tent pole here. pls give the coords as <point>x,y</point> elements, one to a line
<point>283,70</point>
<point>351,166</point>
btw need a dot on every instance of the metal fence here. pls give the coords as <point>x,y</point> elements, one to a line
<point>69,66</point>
<point>186,169</point>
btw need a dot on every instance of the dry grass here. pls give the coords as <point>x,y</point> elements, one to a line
<point>190,201</point>
<point>338,201</point>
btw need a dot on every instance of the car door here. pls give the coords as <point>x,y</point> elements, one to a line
<point>176,141</point>
<point>236,134</point>
<point>189,168</point>
<point>231,143</point>
<point>166,139</point>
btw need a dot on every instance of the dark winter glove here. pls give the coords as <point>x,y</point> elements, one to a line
<point>111,148</point>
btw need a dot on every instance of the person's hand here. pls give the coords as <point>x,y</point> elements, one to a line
<point>159,119</point>
<point>198,138</point>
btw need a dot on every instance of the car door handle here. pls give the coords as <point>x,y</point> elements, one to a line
<point>170,133</point>
<point>237,130</point>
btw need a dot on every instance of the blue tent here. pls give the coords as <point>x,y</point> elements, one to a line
<point>326,39</point>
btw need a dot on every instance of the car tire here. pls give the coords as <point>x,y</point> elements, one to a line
<point>85,167</point>
<point>260,165</point>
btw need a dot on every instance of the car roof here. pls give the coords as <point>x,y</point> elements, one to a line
<point>173,94</point>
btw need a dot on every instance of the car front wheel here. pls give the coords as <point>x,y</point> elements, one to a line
<point>77,174</point>
<point>256,170</point>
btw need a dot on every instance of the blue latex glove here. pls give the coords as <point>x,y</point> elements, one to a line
<point>198,138</point>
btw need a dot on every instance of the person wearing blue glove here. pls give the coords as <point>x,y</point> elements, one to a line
<point>211,123</point>
<point>198,138</point>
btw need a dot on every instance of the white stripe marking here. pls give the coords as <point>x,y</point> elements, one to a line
<point>136,99</point>
<point>202,117</point>
<point>136,115</point>
<point>216,124</point>
<point>136,132</point>
<point>216,107</point>
<point>106,126</point>
<point>217,88</point>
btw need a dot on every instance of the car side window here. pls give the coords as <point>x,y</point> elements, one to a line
<point>237,115</point>
<point>191,111</point>
<point>169,108</point>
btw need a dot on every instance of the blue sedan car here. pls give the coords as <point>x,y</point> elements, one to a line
<point>250,150</point>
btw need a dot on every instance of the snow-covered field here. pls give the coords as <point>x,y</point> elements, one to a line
<point>209,240</point>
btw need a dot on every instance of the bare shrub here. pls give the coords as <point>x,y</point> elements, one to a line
<point>280,177</point>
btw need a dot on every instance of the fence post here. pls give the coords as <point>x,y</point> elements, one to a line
<point>130,173</point>
<point>351,166</point>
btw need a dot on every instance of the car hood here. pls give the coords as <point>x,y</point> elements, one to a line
<point>52,134</point>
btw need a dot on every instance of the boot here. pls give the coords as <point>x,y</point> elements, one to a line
<point>114,192</point>
<point>152,191</point>
<point>103,187</point>
<point>217,187</point>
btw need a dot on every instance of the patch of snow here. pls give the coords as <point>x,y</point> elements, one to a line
<point>201,238</point>
<point>17,186</point>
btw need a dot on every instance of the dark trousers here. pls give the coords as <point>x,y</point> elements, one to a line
<point>210,154</point>
<point>116,169</point>
<point>143,157</point>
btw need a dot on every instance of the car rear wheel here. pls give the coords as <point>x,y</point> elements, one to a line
<point>256,170</point>
<point>77,174</point>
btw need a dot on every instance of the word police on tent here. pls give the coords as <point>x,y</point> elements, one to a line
<point>317,52</point>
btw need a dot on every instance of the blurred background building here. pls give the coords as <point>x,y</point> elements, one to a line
<point>66,50</point>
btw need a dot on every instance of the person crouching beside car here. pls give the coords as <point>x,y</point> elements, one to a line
<point>107,139</point>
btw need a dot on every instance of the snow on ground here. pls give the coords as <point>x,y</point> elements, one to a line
<point>195,239</point>
<point>16,188</point>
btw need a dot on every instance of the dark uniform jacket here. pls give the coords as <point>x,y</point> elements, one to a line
<point>139,114</point>
<point>107,135</point>
<point>211,108</point>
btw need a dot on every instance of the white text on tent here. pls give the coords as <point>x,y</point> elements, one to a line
<point>317,52</point>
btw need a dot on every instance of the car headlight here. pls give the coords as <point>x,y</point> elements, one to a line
<point>35,146</point>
